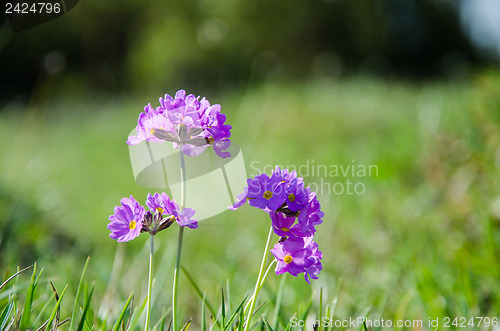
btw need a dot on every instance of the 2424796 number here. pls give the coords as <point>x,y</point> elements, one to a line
<point>462,322</point>
<point>35,8</point>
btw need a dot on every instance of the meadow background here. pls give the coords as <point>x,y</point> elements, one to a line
<point>406,87</point>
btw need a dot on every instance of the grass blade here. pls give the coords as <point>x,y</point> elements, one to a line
<point>41,312</point>
<point>14,275</point>
<point>186,326</point>
<point>327,315</point>
<point>308,307</point>
<point>77,296</point>
<point>223,310</point>
<point>279,297</point>
<point>85,309</point>
<point>161,322</point>
<point>320,307</point>
<point>136,315</point>
<point>228,298</point>
<point>289,326</point>
<point>58,313</point>
<point>266,323</point>
<point>122,314</point>
<point>233,316</point>
<point>203,324</point>
<point>5,315</point>
<point>25,318</point>
<point>56,310</point>
<point>197,290</point>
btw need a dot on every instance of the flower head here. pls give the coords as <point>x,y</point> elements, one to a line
<point>148,121</point>
<point>266,192</point>
<point>285,174</point>
<point>284,225</point>
<point>316,256</point>
<point>162,204</point>
<point>292,256</point>
<point>185,121</point>
<point>296,195</point>
<point>183,217</point>
<point>286,200</point>
<point>311,215</point>
<point>126,223</point>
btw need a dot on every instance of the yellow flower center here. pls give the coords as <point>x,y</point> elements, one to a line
<point>159,209</point>
<point>285,229</point>
<point>268,195</point>
<point>291,197</point>
<point>288,259</point>
<point>131,225</point>
<point>153,131</point>
<point>172,218</point>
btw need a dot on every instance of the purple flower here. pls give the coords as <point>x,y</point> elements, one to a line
<point>148,121</point>
<point>311,215</point>
<point>316,255</point>
<point>241,199</point>
<point>220,133</point>
<point>285,175</point>
<point>185,121</point>
<point>284,197</point>
<point>182,109</point>
<point>183,217</point>
<point>293,256</point>
<point>284,226</point>
<point>161,203</point>
<point>126,223</point>
<point>296,195</point>
<point>265,192</point>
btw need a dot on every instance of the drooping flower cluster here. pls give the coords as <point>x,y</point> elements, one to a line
<point>294,212</point>
<point>185,121</point>
<point>130,219</point>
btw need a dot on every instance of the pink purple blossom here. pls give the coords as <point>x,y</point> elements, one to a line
<point>161,203</point>
<point>316,256</point>
<point>266,192</point>
<point>284,225</point>
<point>185,121</point>
<point>292,256</point>
<point>295,212</point>
<point>130,219</point>
<point>126,223</point>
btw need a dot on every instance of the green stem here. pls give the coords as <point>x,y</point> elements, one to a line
<point>261,283</point>
<point>179,242</point>
<point>150,281</point>
<point>258,284</point>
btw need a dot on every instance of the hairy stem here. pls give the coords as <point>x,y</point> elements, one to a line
<point>179,242</point>
<point>150,281</point>
<point>258,284</point>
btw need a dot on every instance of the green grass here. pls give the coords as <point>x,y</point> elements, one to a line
<point>423,241</point>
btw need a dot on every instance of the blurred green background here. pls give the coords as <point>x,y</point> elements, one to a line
<point>406,86</point>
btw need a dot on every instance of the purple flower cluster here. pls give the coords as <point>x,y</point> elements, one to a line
<point>130,219</point>
<point>286,200</point>
<point>185,121</point>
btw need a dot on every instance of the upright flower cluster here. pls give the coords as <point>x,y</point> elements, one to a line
<point>185,121</point>
<point>294,212</point>
<point>130,219</point>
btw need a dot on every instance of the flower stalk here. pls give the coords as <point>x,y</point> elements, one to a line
<point>150,281</point>
<point>258,284</point>
<point>179,241</point>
